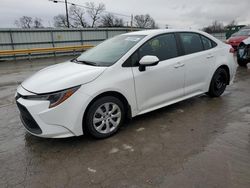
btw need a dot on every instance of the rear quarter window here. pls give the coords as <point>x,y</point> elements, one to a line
<point>207,43</point>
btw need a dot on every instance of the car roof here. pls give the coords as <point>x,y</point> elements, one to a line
<point>160,31</point>
<point>154,32</point>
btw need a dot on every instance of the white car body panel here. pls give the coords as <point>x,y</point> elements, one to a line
<point>166,75</point>
<point>61,76</point>
<point>195,64</point>
<point>168,82</point>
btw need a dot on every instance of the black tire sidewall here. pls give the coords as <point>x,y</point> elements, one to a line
<point>212,92</point>
<point>242,62</point>
<point>92,109</point>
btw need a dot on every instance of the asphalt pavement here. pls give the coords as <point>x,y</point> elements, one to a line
<point>198,143</point>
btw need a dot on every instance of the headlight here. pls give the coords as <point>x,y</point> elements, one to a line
<point>55,98</point>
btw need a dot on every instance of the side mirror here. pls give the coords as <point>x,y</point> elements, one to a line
<point>148,60</point>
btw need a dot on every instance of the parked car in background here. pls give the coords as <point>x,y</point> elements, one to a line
<point>238,37</point>
<point>243,53</point>
<point>123,77</point>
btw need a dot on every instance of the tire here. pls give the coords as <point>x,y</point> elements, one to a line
<point>241,62</point>
<point>104,117</point>
<point>218,83</point>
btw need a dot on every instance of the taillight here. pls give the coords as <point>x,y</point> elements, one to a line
<point>232,50</point>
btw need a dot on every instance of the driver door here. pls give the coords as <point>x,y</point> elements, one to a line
<point>162,83</point>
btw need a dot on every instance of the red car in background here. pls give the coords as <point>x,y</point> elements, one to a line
<point>238,37</point>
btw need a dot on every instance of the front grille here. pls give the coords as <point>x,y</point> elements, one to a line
<point>18,96</point>
<point>27,120</point>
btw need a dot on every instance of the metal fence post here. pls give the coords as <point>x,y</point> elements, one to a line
<point>12,43</point>
<point>81,37</point>
<point>107,34</point>
<point>52,41</point>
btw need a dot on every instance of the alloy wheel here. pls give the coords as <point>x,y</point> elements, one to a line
<point>107,117</point>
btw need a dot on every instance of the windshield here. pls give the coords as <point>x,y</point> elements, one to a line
<point>245,32</point>
<point>110,51</point>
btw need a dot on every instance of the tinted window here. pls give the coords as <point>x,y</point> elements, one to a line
<point>164,47</point>
<point>207,43</point>
<point>191,42</point>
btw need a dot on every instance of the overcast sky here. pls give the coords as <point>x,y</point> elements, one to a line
<point>176,13</point>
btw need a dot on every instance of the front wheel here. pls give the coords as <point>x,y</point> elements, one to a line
<point>218,83</point>
<point>104,117</point>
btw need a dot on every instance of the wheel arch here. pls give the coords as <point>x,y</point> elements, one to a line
<point>116,94</point>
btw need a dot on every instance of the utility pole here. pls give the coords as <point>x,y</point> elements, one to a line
<point>67,13</point>
<point>131,23</point>
<point>66,6</point>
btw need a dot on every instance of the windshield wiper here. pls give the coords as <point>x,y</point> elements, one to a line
<point>84,62</point>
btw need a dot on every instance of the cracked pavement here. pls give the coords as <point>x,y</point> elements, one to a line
<point>198,143</point>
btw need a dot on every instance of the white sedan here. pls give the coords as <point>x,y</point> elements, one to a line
<point>123,77</point>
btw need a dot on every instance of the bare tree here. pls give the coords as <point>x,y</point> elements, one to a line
<point>109,20</point>
<point>232,23</point>
<point>216,26</point>
<point>24,22</point>
<point>95,11</point>
<point>37,23</point>
<point>60,21</point>
<point>29,22</point>
<point>77,16</point>
<point>144,21</point>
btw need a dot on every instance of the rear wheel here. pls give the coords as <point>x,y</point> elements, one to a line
<point>241,62</point>
<point>218,83</point>
<point>104,117</point>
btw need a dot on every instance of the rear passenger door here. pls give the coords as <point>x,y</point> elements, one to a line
<point>198,59</point>
<point>162,83</point>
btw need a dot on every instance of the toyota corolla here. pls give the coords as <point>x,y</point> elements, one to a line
<point>123,77</point>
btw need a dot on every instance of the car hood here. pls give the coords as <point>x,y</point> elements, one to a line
<point>61,76</point>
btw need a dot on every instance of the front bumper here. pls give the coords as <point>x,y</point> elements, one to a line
<point>64,120</point>
<point>28,121</point>
<point>244,53</point>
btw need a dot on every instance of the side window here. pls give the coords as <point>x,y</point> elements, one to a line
<point>164,47</point>
<point>191,42</point>
<point>207,43</point>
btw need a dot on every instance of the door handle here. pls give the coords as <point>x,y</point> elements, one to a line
<point>178,65</point>
<point>210,56</point>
